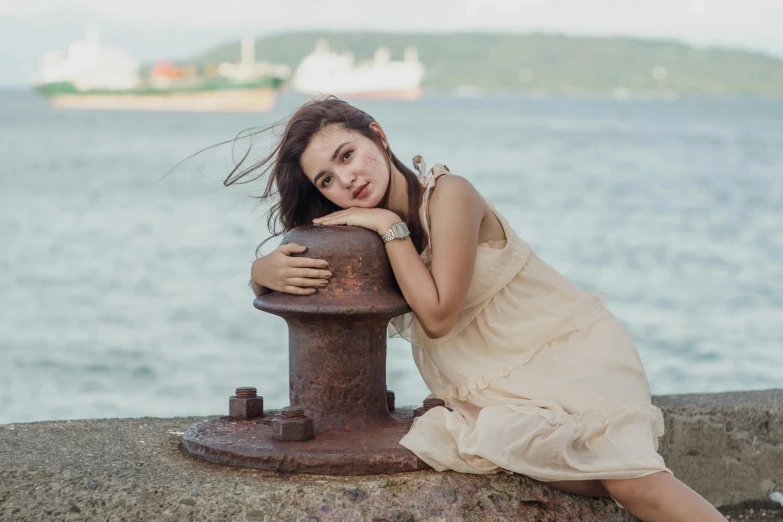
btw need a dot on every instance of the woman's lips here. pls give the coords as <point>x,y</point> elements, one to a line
<point>362,191</point>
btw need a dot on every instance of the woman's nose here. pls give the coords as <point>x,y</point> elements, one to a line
<point>346,177</point>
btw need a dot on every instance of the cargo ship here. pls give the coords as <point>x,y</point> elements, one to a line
<point>326,72</point>
<point>89,76</point>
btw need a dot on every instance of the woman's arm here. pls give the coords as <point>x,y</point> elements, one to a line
<point>437,296</point>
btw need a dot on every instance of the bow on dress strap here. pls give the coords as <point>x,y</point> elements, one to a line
<point>427,176</point>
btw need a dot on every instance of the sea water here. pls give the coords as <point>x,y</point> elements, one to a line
<point>123,292</point>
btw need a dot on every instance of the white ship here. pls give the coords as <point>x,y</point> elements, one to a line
<point>88,66</point>
<point>91,76</point>
<point>327,72</point>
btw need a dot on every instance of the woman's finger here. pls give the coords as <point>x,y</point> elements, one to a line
<point>307,262</point>
<point>338,212</point>
<point>333,214</point>
<point>291,248</point>
<point>303,282</point>
<point>333,221</point>
<point>311,273</point>
<point>298,291</point>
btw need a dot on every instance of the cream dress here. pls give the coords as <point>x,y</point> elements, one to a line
<point>540,377</point>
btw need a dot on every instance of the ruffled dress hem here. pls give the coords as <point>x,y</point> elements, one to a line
<point>595,447</point>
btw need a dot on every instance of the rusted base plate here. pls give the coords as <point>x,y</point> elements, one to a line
<point>249,444</point>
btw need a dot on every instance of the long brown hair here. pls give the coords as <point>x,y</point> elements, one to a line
<point>296,200</point>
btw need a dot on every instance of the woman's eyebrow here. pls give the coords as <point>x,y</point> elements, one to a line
<point>334,156</point>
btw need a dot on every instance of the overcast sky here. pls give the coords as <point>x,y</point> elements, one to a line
<point>152,29</point>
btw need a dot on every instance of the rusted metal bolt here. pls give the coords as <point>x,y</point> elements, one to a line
<point>428,405</point>
<point>246,404</point>
<point>390,400</point>
<point>291,412</point>
<point>293,425</point>
<point>246,392</point>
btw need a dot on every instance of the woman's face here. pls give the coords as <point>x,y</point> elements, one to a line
<point>348,168</point>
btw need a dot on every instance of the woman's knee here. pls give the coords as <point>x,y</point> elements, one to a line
<point>634,488</point>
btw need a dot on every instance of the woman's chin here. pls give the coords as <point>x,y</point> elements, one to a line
<point>372,202</point>
<point>362,203</point>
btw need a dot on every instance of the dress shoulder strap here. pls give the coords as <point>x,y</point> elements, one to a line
<point>428,178</point>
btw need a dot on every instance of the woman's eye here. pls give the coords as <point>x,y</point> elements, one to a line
<point>346,155</point>
<point>325,181</point>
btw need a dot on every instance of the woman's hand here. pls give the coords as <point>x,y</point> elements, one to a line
<point>294,275</point>
<point>377,219</point>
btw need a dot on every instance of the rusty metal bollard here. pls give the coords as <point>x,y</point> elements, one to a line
<point>337,371</point>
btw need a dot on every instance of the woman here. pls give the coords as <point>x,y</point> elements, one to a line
<point>541,379</point>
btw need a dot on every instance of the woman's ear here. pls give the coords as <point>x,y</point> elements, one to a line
<point>379,131</point>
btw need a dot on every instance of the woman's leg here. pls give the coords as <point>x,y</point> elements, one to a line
<point>588,488</point>
<point>661,497</point>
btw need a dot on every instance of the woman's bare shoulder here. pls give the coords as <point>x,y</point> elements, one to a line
<point>455,189</point>
<point>455,199</point>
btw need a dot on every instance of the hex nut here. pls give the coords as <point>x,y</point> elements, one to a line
<point>433,403</point>
<point>244,408</point>
<point>428,405</point>
<point>298,429</point>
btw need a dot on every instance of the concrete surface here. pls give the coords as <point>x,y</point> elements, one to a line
<point>728,447</point>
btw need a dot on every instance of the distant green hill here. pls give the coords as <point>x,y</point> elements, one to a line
<point>508,63</point>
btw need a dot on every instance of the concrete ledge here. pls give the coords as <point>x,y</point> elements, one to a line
<point>726,446</point>
<point>729,447</point>
<point>133,470</point>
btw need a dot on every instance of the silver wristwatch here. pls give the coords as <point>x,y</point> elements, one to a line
<point>397,231</point>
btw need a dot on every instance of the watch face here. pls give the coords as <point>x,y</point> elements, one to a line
<point>400,230</point>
